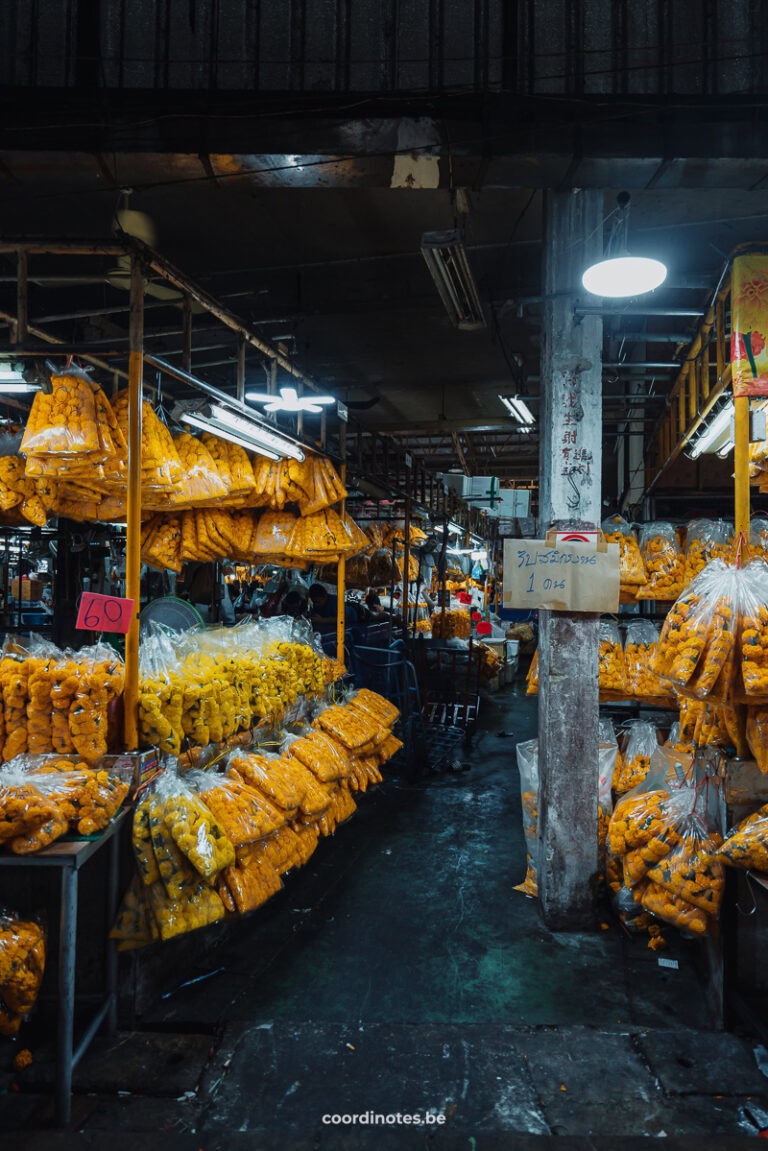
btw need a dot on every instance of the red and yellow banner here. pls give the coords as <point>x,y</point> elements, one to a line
<point>749,325</point>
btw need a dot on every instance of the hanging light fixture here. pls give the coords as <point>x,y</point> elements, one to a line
<point>620,274</point>
<point>289,400</point>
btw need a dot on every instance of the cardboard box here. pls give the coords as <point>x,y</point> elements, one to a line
<point>137,768</point>
<point>31,589</point>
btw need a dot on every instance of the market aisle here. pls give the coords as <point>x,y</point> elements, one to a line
<point>399,971</point>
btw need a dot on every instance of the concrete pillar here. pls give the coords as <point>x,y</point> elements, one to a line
<point>570,495</point>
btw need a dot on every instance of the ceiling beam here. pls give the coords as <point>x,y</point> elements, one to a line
<point>460,453</point>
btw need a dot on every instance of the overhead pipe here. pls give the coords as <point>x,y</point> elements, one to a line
<point>640,311</point>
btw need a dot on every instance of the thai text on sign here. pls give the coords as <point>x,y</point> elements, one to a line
<point>578,577</point>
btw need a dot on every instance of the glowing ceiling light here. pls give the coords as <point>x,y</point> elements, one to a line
<point>290,401</point>
<point>619,274</point>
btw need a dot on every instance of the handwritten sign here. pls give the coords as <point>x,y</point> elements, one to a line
<point>566,577</point>
<point>104,612</point>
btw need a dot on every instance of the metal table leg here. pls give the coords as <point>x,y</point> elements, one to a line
<point>67,949</point>
<point>111,956</point>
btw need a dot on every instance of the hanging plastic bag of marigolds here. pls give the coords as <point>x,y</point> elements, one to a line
<point>613,675</point>
<point>532,678</point>
<point>22,964</point>
<point>608,756</point>
<point>705,541</point>
<point>528,766</point>
<point>642,742</point>
<point>746,844</point>
<point>697,649</point>
<point>684,884</point>
<point>664,562</point>
<point>632,573</point>
<point>640,643</point>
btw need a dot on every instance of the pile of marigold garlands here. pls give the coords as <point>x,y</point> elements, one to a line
<point>203,687</point>
<point>209,843</point>
<point>198,494</point>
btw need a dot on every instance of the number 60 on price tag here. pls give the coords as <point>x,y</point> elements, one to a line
<point>104,612</point>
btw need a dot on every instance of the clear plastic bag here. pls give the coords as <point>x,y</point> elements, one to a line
<point>176,839</point>
<point>375,705</point>
<point>202,483</point>
<point>532,678</point>
<point>757,735</point>
<point>746,844</point>
<point>613,672</point>
<point>161,470</point>
<point>697,648</point>
<point>22,965</point>
<point>758,535</point>
<point>273,534</point>
<point>705,541</point>
<point>632,573</point>
<point>251,881</point>
<point>43,797</point>
<point>325,757</point>
<point>244,814</point>
<point>64,421</point>
<point>640,646</point>
<point>528,767</point>
<point>664,561</point>
<point>325,535</point>
<point>642,742</point>
<point>273,775</point>
<point>690,870</point>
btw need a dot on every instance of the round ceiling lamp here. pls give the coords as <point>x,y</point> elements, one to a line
<point>621,275</point>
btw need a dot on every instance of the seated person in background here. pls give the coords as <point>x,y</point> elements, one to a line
<point>374,608</point>
<point>294,604</point>
<point>324,607</point>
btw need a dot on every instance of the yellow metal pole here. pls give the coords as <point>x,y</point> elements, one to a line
<point>741,466</point>
<point>133,545</point>
<point>341,571</point>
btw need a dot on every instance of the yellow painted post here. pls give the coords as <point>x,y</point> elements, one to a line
<point>341,571</point>
<point>741,518</point>
<point>741,466</point>
<point>133,543</point>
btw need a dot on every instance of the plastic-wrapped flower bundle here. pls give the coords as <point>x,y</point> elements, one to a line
<point>632,573</point>
<point>706,540</point>
<point>664,561</point>
<point>746,844</point>
<point>661,835</point>
<point>697,648</point>
<point>451,624</point>
<point>612,669</point>
<point>640,645</point>
<point>41,798</point>
<point>635,764</point>
<point>22,965</point>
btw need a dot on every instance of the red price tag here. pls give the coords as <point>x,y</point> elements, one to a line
<point>104,612</point>
<point>464,597</point>
<point>483,629</point>
<point>476,615</point>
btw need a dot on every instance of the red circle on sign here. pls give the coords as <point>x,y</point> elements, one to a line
<point>483,629</point>
<point>476,616</point>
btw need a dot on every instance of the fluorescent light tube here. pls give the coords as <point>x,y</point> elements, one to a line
<point>14,387</point>
<point>726,449</point>
<point>250,430</point>
<point>446,258</point>
<point>708,440</point>
<point>520,411</point>
<point>213,427</point>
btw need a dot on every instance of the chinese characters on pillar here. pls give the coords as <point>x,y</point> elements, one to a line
<point>574,459</point>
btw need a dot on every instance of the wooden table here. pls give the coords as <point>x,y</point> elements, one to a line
<point>70,856</point>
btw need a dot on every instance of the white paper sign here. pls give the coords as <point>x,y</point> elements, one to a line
<point>575,577</point>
